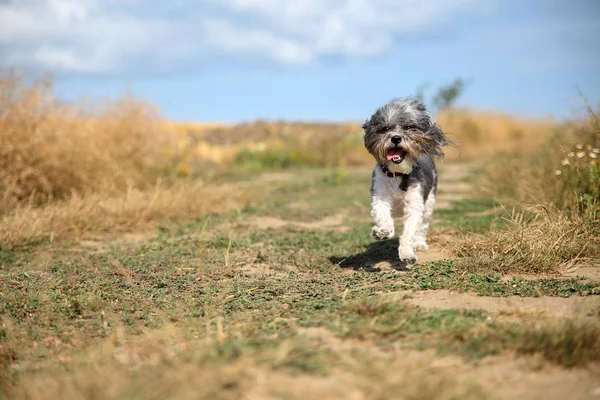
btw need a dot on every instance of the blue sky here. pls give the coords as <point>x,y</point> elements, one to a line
<point>237,60</point>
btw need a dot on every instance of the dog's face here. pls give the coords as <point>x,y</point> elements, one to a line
<point>400,131</point>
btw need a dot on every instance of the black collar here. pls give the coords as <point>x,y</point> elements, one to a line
<point>403,181</point>
<point>389,173</point>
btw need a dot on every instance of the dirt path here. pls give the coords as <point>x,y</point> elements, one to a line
<point>291,269</point>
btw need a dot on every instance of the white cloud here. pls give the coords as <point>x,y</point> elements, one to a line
<point>103,36</point>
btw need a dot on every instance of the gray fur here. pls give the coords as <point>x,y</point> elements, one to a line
<point>425,174</point>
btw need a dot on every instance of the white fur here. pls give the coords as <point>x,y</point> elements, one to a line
<point>382,203</point>
<point>405,167</point>
<point>387,200</point>
<point>420,242</point>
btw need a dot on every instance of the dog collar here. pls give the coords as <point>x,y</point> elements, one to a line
<point>390,174</point>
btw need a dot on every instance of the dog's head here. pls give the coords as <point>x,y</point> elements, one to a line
<point>400,131</point>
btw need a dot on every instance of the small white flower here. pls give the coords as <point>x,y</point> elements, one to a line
<point>597,151</point>
<point>579,146</point>
<point>571,154</point>
<point>565,161</point>
<point>558,172</point>
<point>580,154</point>
<point>593,155</point>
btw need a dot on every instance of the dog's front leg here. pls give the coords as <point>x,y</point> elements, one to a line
<point>413,215</point>
<point>381,211</point>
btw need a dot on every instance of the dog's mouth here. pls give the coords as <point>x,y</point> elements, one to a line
<point>396,155</point>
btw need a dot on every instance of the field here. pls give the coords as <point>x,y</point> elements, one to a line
<point>146,259</point>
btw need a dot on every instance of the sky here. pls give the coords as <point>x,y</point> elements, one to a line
<point>332,60</point>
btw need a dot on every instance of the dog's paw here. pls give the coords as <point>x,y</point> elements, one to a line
<point>421,245</point>
<point>407,255</point>
<point>382,233</point>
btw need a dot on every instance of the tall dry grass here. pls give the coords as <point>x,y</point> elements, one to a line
<point>538,240</point>
<point>69,169</point>
<point>564,171</point>
<point>50,149</point>
<point>555,191</point>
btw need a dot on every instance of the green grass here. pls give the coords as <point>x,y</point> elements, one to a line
<point>270,159</point>
<point>7,258</point>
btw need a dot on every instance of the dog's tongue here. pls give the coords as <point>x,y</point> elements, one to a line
<point>394,153</point>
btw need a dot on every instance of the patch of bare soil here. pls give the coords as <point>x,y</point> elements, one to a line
<point>332,222</point>
<point>552,306</point>
<point>591,272</point>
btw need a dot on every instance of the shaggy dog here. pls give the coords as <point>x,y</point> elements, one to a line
<point>403,139</point>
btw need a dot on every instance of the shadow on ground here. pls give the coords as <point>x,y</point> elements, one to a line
<point>375,254</point>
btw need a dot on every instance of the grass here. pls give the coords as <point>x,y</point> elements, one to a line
<point>223,282</point>
<point>563,172</point>
<point>255,281</point>
<point>50,149</point>
<point>541,241</point>
<point>133,210</point>
<point>483,213</point>
<point>209,369</point>
<point>275,144</point>
<point>480,135</point>
<point>552,204</point>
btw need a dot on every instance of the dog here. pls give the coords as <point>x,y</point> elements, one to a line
<point>404,139</point>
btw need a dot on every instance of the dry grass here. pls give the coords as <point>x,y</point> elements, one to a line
<point>564,171</point>
<point>183,128</point>
<point>478,134</point>
<point>50,149</point>
<point>71,169</point>
<point>128,211</point>
<point>555,190</point>
<point>316,144</point>
<point>539,240</point>
<point>168,364</point>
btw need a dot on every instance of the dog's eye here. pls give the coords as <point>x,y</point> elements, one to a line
<point>410,128</point>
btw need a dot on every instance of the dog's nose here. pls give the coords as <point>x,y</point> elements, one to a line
<point>396,139</point>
